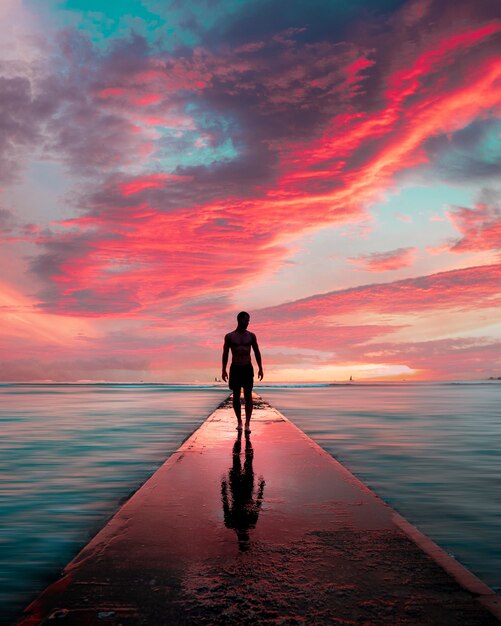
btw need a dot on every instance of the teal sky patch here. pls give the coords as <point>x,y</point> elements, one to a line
<point>165,25</point>
<point>416,215</point>
<point>104,21</point>
<point>209,143</point>
<point>190,149</point>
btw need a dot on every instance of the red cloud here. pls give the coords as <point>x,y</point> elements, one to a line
<point>353,70</point>
<point>158,78</point>
<point>403,83</point>
<point>147,258</point>
<point>149,182</point>
<point>383,261</point>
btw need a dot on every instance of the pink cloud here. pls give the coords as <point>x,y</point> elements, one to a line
<point>440,249</point>
<point>465,289</point>
<point>149,182</point>
<point>167,258</point>
<point>480,227</point>
<point>384,261</point>
<point>112,92</point>
<point>456,359</point>
<point>322,336</point>
<point>404,218</point>
<point>250,47</point>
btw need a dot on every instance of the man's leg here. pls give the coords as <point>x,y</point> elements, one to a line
<point>237,407</point>
<point>248,406</point>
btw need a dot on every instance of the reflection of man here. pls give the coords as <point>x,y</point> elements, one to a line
<point>242,511</point>
<point>240,342</point>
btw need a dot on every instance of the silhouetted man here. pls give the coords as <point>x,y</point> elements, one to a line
<point>240,342</point>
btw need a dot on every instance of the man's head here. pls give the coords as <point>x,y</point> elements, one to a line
<point>243,320</point>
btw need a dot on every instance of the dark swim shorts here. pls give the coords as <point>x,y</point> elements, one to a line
<point>241,376</point>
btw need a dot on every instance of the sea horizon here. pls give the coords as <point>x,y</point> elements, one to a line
<point>256,384</point>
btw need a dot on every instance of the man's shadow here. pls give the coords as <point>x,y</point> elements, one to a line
<point>241,507</point>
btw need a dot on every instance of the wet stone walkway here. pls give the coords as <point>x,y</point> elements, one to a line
<point>260,529</point>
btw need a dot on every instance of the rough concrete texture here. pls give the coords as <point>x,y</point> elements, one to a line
<point>264,529</point>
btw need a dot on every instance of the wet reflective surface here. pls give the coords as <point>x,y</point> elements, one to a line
<point>241,501</point>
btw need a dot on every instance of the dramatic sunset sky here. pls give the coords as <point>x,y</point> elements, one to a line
<point>331,167</point>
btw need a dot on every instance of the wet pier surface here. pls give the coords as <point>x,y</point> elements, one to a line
<point>260,529</point>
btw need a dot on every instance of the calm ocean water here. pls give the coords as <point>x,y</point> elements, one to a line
<point>71,453</point>
<point>68,455</point>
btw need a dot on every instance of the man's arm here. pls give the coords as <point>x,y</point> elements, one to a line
<point>255,347</point>
<point>226,350</point>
